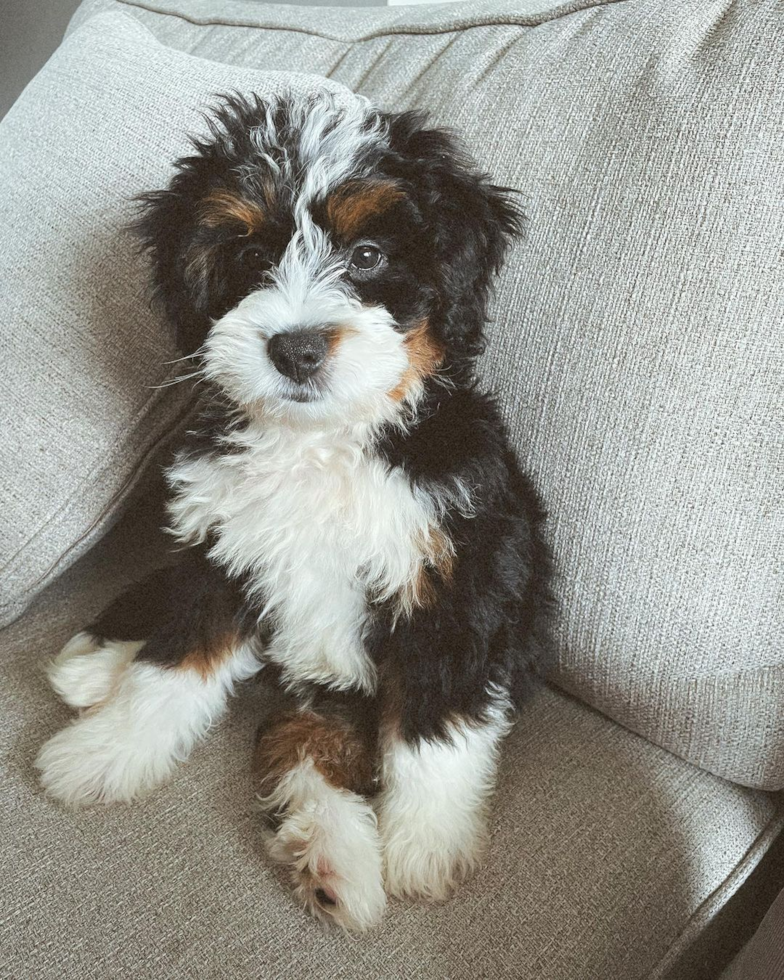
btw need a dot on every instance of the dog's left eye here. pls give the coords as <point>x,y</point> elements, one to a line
<point>366,257</point>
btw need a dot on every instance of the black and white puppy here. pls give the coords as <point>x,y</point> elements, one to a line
<point>349,514</point>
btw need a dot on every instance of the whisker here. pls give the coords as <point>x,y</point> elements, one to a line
<point>186,357</point>
<point>176,381</point>
<point>199,352</point>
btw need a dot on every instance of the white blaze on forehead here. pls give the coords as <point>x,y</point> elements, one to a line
<point>324,143</point>
<point>308,266</point>
<point>328,141</point>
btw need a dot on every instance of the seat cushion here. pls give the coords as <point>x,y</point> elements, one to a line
<point>605,849</point>
<point>637,342</point>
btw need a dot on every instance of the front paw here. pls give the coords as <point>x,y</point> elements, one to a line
<point>121,749</point>
<point>73,768</point>
<point>332,850</point>
<point>428,855</point>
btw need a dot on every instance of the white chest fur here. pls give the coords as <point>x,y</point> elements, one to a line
<point>318,524</point>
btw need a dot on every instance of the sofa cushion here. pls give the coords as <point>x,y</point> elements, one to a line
<point>637,341</point>
<point>608,854</point>
<point>86,361</point>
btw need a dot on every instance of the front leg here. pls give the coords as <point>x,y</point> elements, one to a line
<point>149,677</point>
<point>433,807</point>
<point>317,768</point>
<point>452,671</point>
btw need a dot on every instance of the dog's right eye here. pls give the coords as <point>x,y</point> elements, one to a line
<point>253,257</point>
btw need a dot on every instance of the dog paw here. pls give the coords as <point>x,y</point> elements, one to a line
<point>94,761</point>
<point>428,860</point>
<point>85,672</point>
<point>333,853</point>
<point>124,746</point>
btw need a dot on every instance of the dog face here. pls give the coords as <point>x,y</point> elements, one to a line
<point>325,259</point>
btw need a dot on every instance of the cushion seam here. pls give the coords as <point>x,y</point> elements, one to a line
<point>508,20</point>
<point>606,708</point>
<point>717,899</point>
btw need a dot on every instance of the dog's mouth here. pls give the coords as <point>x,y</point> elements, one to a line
<point>302,394</point>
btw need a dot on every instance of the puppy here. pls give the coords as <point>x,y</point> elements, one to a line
<point>350,518</point>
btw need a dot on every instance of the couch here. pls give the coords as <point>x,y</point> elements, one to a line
<point>636,346</point>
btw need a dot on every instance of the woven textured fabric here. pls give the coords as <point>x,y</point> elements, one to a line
<point>637,342</point>
<point>605,848</point>
<point>83,354</point>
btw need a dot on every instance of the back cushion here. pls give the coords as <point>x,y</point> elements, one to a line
<point>637,332</point>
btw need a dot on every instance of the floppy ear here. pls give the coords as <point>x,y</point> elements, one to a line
<point>472,220</point>
<point>187,271</point>
<point>180,265</point>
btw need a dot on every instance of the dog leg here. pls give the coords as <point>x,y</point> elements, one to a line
<point>87,669</point>
<point>433,805</point>
<point>315,768</point>
<point>153,672</point>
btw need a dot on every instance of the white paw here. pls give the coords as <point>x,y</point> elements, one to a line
<point>332,849</point>
<point>428,864</point>
<point>85,673</point>
<point>97,760</point>
<point>432,813</point>
<point>128,744</point>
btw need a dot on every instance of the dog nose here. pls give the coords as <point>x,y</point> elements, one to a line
<point>298,354</point>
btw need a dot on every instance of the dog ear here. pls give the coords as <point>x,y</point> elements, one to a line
<point>187,274</point>
<point>472,222</point>
<point>180,265</point>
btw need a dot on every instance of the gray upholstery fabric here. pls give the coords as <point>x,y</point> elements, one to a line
<point>83,354</point>
<point>605,849</point>
<point>638,336</point>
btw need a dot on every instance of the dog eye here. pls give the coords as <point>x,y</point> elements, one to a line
<point>366,257</point>
<point>253,257</point>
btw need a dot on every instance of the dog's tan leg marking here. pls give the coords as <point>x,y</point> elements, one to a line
<point>313,771</point>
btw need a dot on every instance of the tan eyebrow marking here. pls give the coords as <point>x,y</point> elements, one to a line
<point>223,207</point>
<point>351,206</point>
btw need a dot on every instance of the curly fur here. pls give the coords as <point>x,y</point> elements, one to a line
<point>348,511</point>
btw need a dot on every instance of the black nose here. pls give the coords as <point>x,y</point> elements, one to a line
<point>298,354</point>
